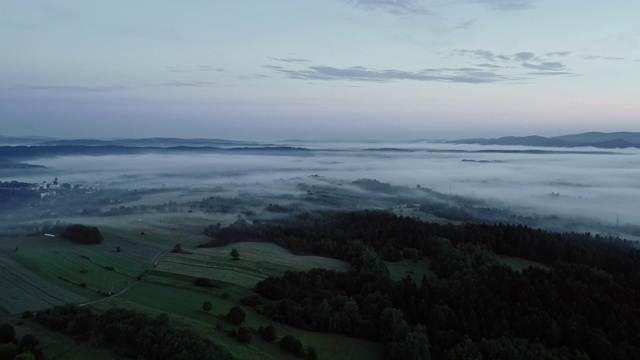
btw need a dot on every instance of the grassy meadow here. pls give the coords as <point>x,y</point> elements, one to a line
<point>38,272</point>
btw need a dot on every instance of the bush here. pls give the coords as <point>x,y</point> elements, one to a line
<point>202,282</point>
<point>27,314</point>
<point>252,300</point>
<point>267,333</point>
<point>7,333</point>
<point>243,335</point>
<point>236,315</point>
<point>312,354</point>
<point>207,306</point>
<point>82,234</point>
<point>291,344</point>
<point>8,351</point>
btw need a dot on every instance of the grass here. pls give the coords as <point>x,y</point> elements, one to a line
<point>39,272</point>
<point>21,289</point>
<point>186,304</point>
<point>519,264</point>
<point>399,270</point>
<point>45,271</point>
<point>257,261</point>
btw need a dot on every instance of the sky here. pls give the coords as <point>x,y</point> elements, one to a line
<point>318,69</point>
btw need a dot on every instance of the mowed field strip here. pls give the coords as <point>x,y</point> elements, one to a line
<point>257,261</point>
<point>39,272</point>
<point>21,289</point>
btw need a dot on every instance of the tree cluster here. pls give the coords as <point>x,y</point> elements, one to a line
<point>583,305</point>
<point>82,234</point>
<point>27,347</point>
<point>130,334</point>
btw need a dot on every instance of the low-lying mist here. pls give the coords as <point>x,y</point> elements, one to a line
<point>600,186</point>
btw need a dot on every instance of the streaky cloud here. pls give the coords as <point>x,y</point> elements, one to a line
<point>200,68</point>
<point>597,57</point>
<point>558,53</point>
<point>545,66</point>
<point>186,83</point>
<point>290,60</point>
<point>359,73</point>
<point>504,5</point>
<point>71,88</point>
<point>396,7</point>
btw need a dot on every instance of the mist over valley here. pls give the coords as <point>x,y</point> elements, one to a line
<point>586,189</point>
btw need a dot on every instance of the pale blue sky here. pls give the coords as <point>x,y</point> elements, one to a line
<point>269,70</point>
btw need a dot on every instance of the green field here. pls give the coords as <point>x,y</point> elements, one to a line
<point>257,261</point>
<point>38,272</point>
<point>416,270</point>
<point>186,304</point>
<point>518,263</point>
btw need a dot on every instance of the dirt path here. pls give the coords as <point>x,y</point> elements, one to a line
<point>139,278</point>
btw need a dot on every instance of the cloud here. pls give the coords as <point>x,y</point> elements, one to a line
<point>483,54</point>
<point>199,68</point>
<point>545,66</point>
<point>290,60</point>
<point>558,53</point>
<point>359,73</point>
<point>595,57</point>
<point>524,56</point>
<point>466,24</point>
<point>490,66</point>
<point>504,5</point>
<point>524,59</point>
<point>56,12</point>
<point>397,7</point>
<point>173,83</point>
<point>71,88</point>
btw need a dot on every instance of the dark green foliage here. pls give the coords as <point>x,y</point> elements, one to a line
<point>30,343</point>
<point>312,354</point>
<point>243,335</point>
<point>177,249</point>
<point>584,304</point>
<point>253,300</point>
<point>207,306</point>
<point>27,355</point>
<point>7,333</point>
<point>27,314</point>
<point>291,344</point>
<point>131,334</point>
<point>236,315</point>
<point>202,282</point>
<point>8,351</point>
<point>15,194</point>
<point>267,333</point>
<point>81,234</point>
<point>212,230</point>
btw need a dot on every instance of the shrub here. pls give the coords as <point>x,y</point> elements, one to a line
<point>207,306</point>
<point>236,315</point>
<point>291,344</point>
<point>267,333</point>
<point>202,282</point>
<point>243,335</point>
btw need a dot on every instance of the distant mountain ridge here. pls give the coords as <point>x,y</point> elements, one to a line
<point>613,140</point>
<point>154,142</point>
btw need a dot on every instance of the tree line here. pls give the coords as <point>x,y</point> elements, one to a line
<point>130,334</point>
<point>583,305</point>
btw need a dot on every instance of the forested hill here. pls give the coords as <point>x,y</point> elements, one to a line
<point>580,302</point>
<point>27,152</point>
<point>615,140</point>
